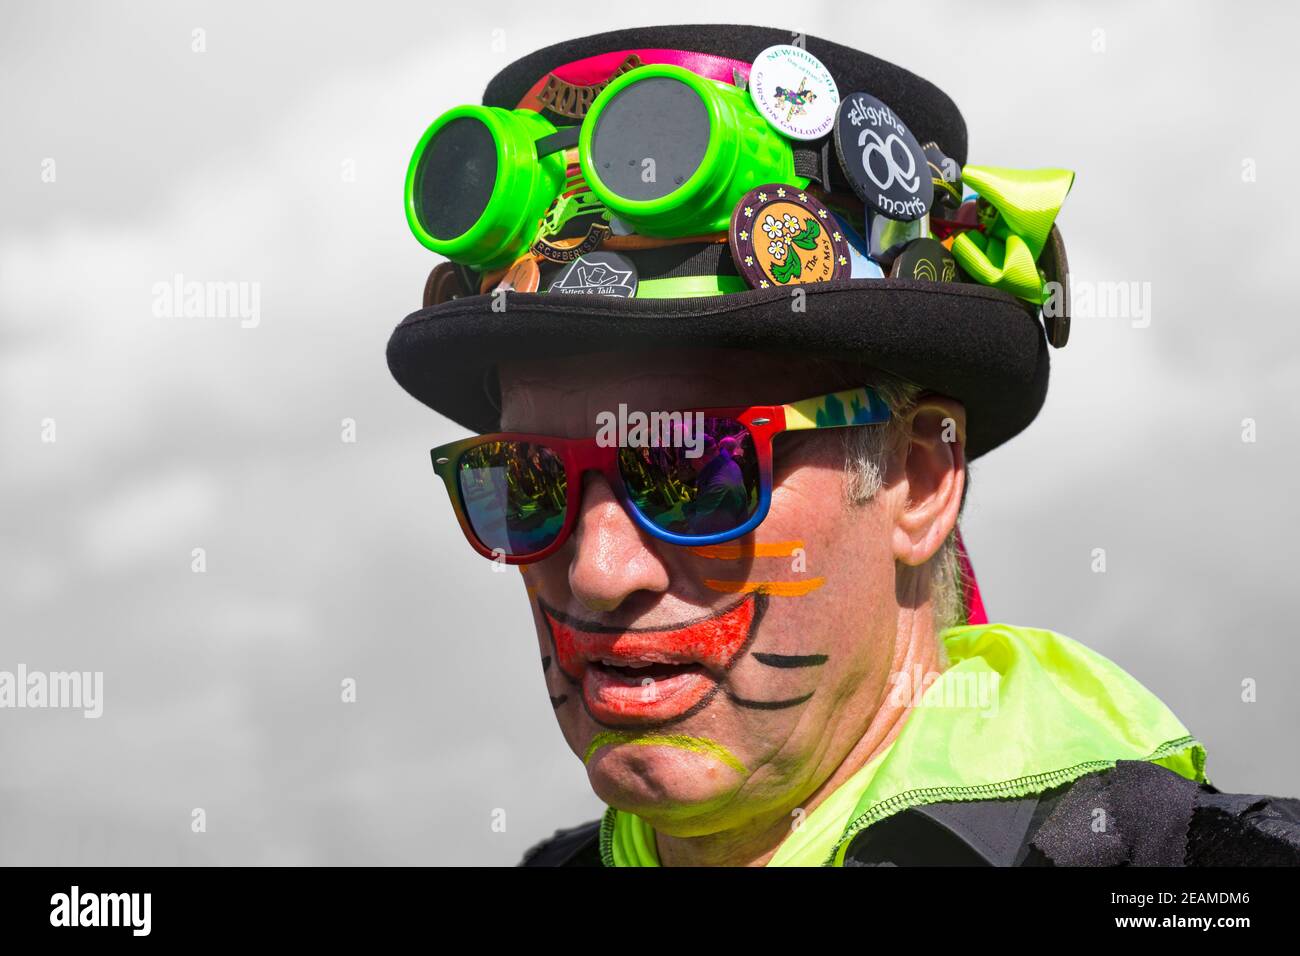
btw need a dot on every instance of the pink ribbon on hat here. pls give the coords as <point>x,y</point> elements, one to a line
<point>600,68</point>
<point>970,587</point>
<point>597,68</point>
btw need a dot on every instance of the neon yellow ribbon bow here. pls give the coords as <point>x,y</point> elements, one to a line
<point>1027,202</point>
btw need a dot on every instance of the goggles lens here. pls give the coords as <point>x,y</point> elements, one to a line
<point>515,495</point>
<point>717,490</point>
<point>477,187</point>
<point>650,138</point>
<point>455,178</point>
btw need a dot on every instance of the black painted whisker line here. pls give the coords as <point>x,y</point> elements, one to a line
<point>769,704</point>
<point>546,663</point>
<point>791,660</point>
<point>557,701</point>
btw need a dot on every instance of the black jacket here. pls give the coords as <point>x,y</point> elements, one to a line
<point>1137,814</point>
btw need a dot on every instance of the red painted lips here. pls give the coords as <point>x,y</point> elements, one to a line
<point>653,675</point>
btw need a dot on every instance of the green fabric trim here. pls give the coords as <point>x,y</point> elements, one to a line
<point>1019,711</point>
<point>686,287</point>
<point>607,837</point>
<point>627,840</point>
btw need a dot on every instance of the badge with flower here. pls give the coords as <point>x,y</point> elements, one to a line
<point>781,235</point>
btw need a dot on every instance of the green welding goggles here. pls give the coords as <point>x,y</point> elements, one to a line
<point>666,151</point>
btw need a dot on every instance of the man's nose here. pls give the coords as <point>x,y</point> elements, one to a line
<point>612,557</point>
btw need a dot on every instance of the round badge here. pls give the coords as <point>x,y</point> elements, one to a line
<point>597,273</point>
<point>925,260</point>
<point>443,285</point>
<point>780,236</point>
<point>522,276</point>
<point>882,159</point>
<point>566,250</point>
<point>794,91</point>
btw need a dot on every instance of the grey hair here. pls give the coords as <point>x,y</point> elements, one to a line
<point>866,454</point>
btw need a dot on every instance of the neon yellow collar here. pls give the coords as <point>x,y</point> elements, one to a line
<point>1020,710</point>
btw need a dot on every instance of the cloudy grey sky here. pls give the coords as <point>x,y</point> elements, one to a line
<point>277,157</point>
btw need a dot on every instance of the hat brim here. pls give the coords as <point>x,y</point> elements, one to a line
<point>978,345</point>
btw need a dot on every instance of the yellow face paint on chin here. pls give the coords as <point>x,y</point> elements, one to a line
<point>698,745</point>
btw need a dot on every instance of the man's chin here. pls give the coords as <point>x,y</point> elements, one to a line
<point>663,777</point>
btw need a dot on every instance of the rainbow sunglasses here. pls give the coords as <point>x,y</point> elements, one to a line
<point>696,477</point>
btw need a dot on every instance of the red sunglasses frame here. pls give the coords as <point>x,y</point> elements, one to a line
<point>858,406</point>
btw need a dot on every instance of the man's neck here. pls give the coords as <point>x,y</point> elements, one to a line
<point>916,650</point>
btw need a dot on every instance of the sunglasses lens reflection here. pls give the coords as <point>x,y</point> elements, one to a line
<point>514,495</point>
<point>704,487</point>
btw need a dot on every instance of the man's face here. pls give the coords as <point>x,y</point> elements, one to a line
<point>706,687</point>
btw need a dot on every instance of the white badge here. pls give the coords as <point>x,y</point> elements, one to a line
<point>794,91</point>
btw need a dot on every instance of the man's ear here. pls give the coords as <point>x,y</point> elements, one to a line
<point>932,467</point>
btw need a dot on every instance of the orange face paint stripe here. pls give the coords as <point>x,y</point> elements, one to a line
<point>752,549</point>
<point>773,588</point>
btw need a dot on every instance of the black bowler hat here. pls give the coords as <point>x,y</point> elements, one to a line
<point>972,342</point>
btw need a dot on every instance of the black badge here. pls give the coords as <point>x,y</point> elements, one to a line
<point>925,260</point>
<point>1056,305</point>
<point>597,273</point>
<point>882,159</point>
